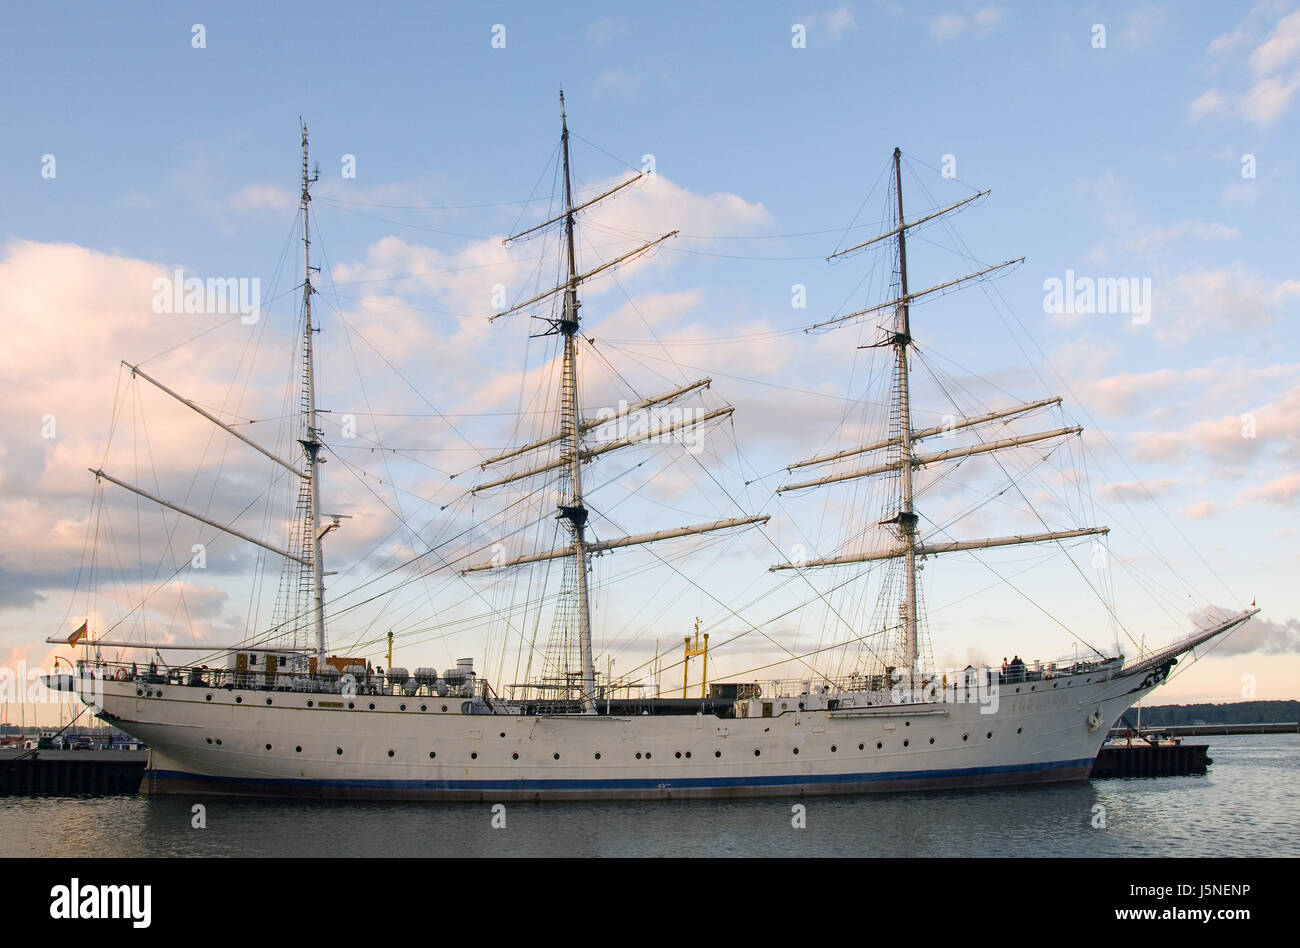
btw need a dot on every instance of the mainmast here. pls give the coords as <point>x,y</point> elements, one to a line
<point>574,513</point>
<point>573,427</point>
<point>311,444</point>
<point>906,515</point>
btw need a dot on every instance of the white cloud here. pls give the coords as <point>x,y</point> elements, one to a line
<point>832,26</point>
<point>1209,102</point>
<point>605,30</point>
<point>1274,65</point>
<point>1268,100</point>
<point>1255,635</point>
<point>618,81</point>
<point>1200,230</point>
<point>260,197</point>
<point>1138,490</point>
<point>947,26</point>
<point>1283,491</point>
<point>1280,49</point>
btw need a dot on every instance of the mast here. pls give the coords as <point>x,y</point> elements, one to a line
<point>906,515</point>
<point>573,427</point>
<point>311,444</point>
<point>575,513</point>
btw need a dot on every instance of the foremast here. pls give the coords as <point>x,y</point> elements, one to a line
<point>902,442</point>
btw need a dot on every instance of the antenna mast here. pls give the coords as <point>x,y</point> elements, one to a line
<point>311,444</point>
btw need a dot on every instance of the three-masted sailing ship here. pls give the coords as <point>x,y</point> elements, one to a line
<point>280,719</point>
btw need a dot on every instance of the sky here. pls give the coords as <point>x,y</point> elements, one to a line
<point>1149,143</point>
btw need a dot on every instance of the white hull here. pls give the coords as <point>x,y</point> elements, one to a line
<point>256,742</point>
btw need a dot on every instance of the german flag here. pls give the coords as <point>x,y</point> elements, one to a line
<point>80,634</point>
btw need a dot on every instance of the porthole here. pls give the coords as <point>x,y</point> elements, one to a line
<point>207,697</point>
<point>444,709</point>
<point>239,700</point>
<point>796,750</point>
<point>932,740</point>
<point>989,735</point>
<point>832,748</point>
<point>311,704</point>
<point>218,742</point>
<point>1055,683</point>
<point>906,743</point>
<point>717,753</point>
<point>638,755</point>
<point>268,746</point>
<point>1017,691</point>
<point>139,693</point>
<point>473,756</point>
<point>338,750</point>
<point>862,747</point>
<point>372,706</point>
<point>679,755</point>
<point>557,756</point>
<point>351,705</point>
<point>158,695</point>
<point>208,739</point>
<point>1019,730</point>
<point>879,745</point>
<point>401,707</point>
<point>688,755</point>
<point>597,755</point>
<point>503,733</point>
<point>432,755</point>
<point>1033,687</point>
<point>907,724</point>
<point>424,707</point>
<point>297,750</point>
<point>965,737</point>
<point>516,756</point>
<point>757,752</point>
<point>268,700</point>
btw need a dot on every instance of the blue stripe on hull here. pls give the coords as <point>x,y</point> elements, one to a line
<point>180,782</point>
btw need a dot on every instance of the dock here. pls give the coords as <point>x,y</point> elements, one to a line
<point>71,773</point>
<point>1207,730</point>
<point>1141,759</point>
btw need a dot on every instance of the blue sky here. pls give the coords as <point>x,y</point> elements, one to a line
<point>1114,162</point>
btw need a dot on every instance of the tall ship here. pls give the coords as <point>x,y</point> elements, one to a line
<point>280,714</point>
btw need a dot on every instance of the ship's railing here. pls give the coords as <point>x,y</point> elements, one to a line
<point>256,679</point>
<point>956,684</point>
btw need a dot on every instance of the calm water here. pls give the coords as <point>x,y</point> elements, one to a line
<point>1248,805</point>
